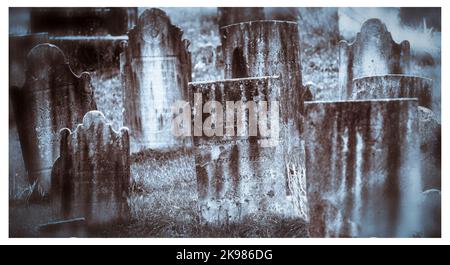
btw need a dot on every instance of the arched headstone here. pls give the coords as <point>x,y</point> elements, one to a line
<point>155,71</point>
<point>373,52</point>
<point>91,178</point>
<point>52,98</point>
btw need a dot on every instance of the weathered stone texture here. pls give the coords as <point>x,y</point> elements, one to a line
<point>373,52</point>
<point>91,178</point>
<point>363,179</point>
<point>232,15</point>
<point>431,205</point>
<point>239,176</point>
<point>53,97</point>
<point>430,148</point>
<point>265,48</point>
<point>155,71</point>
<point>393,86</point>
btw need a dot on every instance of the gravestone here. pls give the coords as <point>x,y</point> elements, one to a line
<point>363,179</point>
<point>265,48</point>
<point>430,148</point>
<point>393,86</point>
<point>53,97</point>
<point>155,71</point>
<point>431,205</point>
<point>373,52</point>
<point>91,177</point>
<point>243,174</point>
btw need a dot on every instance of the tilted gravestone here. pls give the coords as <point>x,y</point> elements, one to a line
<point>265,48</point>
<point>91,178</point>
<point>52,98</point>
<point>363,179</point>
<point>393,86</point>
<point>155,71</point>
<point>373,52</point>
<point>244,173</point>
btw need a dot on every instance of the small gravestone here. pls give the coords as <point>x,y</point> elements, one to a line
<point>265,48</point>
<point>241,174</point>
<point>91,178</point>
<point>363,177</point>
<point>393,86</point>
<point>52,98</point>
<point>373,52</point>
<point>155,71</point>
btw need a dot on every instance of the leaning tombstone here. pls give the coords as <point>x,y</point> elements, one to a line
<point>155,71</point>
<point>91,178</point>
<point>373,52</point>
<point>52,98</point>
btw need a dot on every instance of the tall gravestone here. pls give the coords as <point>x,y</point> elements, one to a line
<point>264,48</point>
<point>243,174</point>
<point>91,177</point>
<point>373,52</point>
<point>52,98</point>
<point>363,179</point>
<point>155,71</point>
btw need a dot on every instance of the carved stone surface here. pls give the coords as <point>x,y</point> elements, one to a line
<point>91,178</point>
<point>248,176</point>
<point>264,48</point>
<point>373,52</point>
<point>430,148</point>
<point>232,15</point>
<point>53,97</point>
<point>363,179</point>
<point>393,86</point>
<point>155,71</point>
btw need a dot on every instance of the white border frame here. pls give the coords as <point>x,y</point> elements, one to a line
<point>4,194</point>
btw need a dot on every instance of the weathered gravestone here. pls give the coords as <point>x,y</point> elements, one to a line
<point>155,71</point>
<point>373,52</point>
<point>265,48</point>
<point>243,173</point>
<point>393,86</point>
<point>91,178</point>
<point>53,97</point>
<point>363,179</point>
<point>430,149</point>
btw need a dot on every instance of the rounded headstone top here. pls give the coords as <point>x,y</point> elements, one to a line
<point>43,59</point>
<point>373,26</point>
